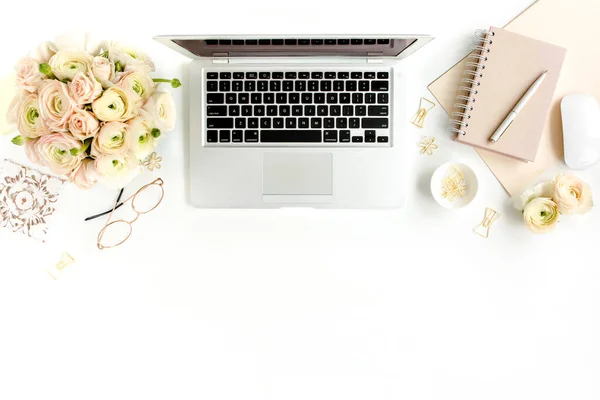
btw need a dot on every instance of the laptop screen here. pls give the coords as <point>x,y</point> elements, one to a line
<point>296,47</point>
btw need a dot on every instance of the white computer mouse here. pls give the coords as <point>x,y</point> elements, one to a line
<point>581,130</point>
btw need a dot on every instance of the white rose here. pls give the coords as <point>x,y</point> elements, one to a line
<point>44,52</point>
<point>129,59</point>
<point>545,189</point>
<point>84,88</point>
<point>541,215</point>
<point>29,120</point>
<point>54,151</point>
<point>139,84</point>
<point>572,195</point>
<point>118,170</point>
<point>141,140</point>
<point>56,105</point>
<point>83,124</point>
<point>66,64</point>
<point>161,109</point>
<point>28,75</point>
<point>104,70</point>
<point>85,176</point>
<point>114,105</point>
<point>113,138</point>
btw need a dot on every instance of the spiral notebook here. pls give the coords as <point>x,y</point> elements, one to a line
<point>496,75</point>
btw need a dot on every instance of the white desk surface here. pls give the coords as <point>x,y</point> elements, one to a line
<point>298,304</point>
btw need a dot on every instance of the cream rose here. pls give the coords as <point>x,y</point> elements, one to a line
<point>541,215</point>
<point>139,85</point>
<point>85,176</point>
<point>83,124</point>
<point>545,189</point>
<point>44,52</point>
<point>114,105</point>
<point>66,64</point>
<point>572,195</point>
<point>129,59</point>
<point>31,151</point>
<point>84,88</point>
<point>161,109</point>
<point>117,171</point>
<point>56,105</point>
<point>12,114</point>
<point>104,70</point>
<point>28,75</point>
<point>29,120</point>
<point>141,140</point>
<point>54,151</point>
<point>113,138</point>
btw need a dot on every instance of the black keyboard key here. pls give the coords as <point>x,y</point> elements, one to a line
<point>271,111</point>
<point>216,111</point>
<point>247,111</point>
<point>250,86</point>
<point>294,98</point>
<point>344,136</point>
<point>300,86</point>
<point>252,42</point>
<point>380,86</point>
<point>281,98</point>
<point>325,86</point>
<point>290,75</point>
<point>382,123</point>
<point>243,98</point>
<point>310,111</point>
<point>290,123</point>
<point>302,123</point>
<point>382,139</point>
<point>237,86</point>
<point>343,75</point>
<point>306,98</point>
<point>370,139</point>
<point>212,136</point>
<point>330,42</point>
<point>369,75</point>
<point>338,86</point>
<point>240,123</point>
<point>316,75</point>
<point>344,98</point>
<point>315,123</point>
<point>277,42</point>
<point>212,86</point>
<point>224,86</point>
<point>356,41</point>
<point>354,123</point>
<point>251,75</point>
<point>303,75</point>
<point>330,136</point>
<point>335,111</point>
<point>350,86</point>
<point>360,111</point>
<point>215,98</point>
<point>264,42</point>
<point>332,98</point>
<point>265,123</point>
<point>278,75</point>
<point>370,41</point>
<point>347,111</point>
<point>370,134</point>
<point>217,123</point>
<point>341,123</point>
<point>328,122</point>
<point>212,75</point>
<point>234,111</point>
<point>225,75</point>
<point>297,111</point>
<point>316,42</point>
<point>290,136</point>
<point>357,139</point>
<point>237,136</point>
<point>357,98</point>
<point>291,42</point>
<point>231,98</point>
<point>356,75</point>
<point>322,111</point>
<point>383,41</point>
<point>319,98</point>
<point>370,98</point>
<point>252,122</point>
<point>238,75</point>
<point>275,86</point>
<point>383,75</point>
<point>269,98</point>
<point>284,111</point>
<point>259,111</point>
<point>277,122</point>
<point>224,136</point>
<point>225,42</point>
<point>330,75</point>
<point>363,86</point>
<point>343,41</point>
<point>313,86</point>
<point>251,136</point>
<point>237,42</point>
<point>303,42</point>
<point>262,86</point>
<point>256,98</point>
<point>288,86</point>
<point>211,42</point>
<point>382,98</point>
<point>378,111</point>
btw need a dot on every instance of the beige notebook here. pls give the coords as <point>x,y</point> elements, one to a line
<point>495,78</point>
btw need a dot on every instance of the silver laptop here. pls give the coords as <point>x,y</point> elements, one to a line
<point>296,121</point>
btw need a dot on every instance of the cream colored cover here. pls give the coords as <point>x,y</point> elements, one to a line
<point>574,25</point>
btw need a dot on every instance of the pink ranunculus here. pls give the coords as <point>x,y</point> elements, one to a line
<point>104,70</point>
<point>29,121</point>
<point>83,124</point>
<point>56,105</point>
<point>31,151</point>
<point>84,88</point>
<point>85,176</point>
<point>28,75</point>
<point>54,151</point>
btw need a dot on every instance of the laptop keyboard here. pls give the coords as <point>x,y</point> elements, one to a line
<point>298,107</point>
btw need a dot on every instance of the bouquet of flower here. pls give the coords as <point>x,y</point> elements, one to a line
<point>91,116</point>
<point>542,205</point>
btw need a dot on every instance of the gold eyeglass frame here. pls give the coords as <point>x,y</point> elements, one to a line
<point>159,182</point>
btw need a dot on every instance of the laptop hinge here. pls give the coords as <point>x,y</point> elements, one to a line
<point>374,58</point>
<point>220,58</point>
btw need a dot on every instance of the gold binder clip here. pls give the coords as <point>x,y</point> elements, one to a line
<point>57,270</point>
<point>483,229</point>
<point>424,107</point>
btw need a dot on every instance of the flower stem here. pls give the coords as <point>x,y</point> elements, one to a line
<point>175,83</point>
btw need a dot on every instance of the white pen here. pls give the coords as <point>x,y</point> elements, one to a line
<point>515,111</point>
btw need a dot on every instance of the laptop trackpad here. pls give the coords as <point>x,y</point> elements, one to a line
<point>297,177</point>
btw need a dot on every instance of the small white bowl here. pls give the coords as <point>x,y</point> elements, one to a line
<point>458,202</point>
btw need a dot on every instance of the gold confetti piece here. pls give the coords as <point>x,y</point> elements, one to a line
<point>454,185</point>
<point>424,107</point>
<point>428,145</point>
<point>57,270</point>
<point>483,229</point>
<point>152,162</point>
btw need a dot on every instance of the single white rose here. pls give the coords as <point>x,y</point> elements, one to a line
<point>66,64</point>
<point>44,52</point>
<point>141,139</point>
<point>117,170</point>
<point>545,189</point>
<point>139,85</point>
<point>113,138</point>
<point>56,105</point>
<point>29,120</point>
<point>161,108</point>
<point>572,195</point>
<point>84,88</point>
<point>85,176</point>
<point>541,215</point>
<point>129,59</point>
<point>54,151</point>
<point>28,75</point>
<point>104,70</point>
<point>114,105</point>
<point>83,124</point>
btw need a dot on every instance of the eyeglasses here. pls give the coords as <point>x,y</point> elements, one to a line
<point>146,199</point>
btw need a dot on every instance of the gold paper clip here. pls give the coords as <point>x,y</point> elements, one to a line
<point>57,270</point>
<point>424,107</point>
<point>483,229</point>
<point>428,145</point>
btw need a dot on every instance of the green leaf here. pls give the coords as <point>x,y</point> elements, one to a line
<point>18,140</point>
<point>45,69</point>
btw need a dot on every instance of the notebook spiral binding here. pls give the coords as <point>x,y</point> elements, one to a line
<point>467,93</point>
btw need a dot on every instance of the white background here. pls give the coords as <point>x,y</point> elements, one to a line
<point>297,304</point>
